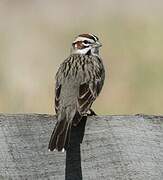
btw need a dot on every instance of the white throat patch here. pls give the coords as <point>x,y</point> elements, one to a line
<point>82,51</point>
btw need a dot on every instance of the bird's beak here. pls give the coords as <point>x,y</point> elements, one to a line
<point>98,44</point>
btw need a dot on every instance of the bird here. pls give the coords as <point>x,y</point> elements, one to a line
<point>79,81</point>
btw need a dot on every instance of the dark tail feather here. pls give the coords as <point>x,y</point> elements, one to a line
<point>59,135</point>
<point>76,119</point>
<point>63,137</point>
<point>67,143</point>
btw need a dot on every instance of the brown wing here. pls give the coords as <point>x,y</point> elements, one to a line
<point>57,96</point>
<point>86,98</point>
<point>90,89</point>
<point>84,102</point>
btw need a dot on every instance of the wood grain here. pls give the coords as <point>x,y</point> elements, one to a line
<point>113,148</point>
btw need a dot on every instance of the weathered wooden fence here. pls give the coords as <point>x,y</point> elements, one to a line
<point>113,148</point>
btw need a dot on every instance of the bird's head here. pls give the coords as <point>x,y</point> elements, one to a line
<point>86,44</point>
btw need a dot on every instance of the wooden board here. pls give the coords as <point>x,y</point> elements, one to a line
<point>113,148</point>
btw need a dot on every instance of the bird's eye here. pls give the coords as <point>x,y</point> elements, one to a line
<point>86,42</point>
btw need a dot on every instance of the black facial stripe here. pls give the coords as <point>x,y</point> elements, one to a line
<point>95,37</point>
<point>89,36</point>
<point>92,37</point>
<point>86,42</point>
<point>81,45</point>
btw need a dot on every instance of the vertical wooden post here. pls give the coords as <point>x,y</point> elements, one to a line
<point>73,153</point>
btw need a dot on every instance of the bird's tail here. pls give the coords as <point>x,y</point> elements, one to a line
<point>60,135</point>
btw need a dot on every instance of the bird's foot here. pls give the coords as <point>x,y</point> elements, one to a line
<point>91,113</point>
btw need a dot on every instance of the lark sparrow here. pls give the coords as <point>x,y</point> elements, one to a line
<point>79,81</point>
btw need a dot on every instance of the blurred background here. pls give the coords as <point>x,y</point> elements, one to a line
<point>35,37</point>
